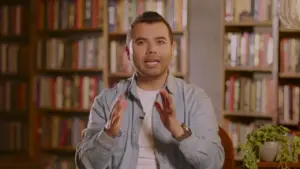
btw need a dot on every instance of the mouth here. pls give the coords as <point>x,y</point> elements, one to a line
<point>152,62</point>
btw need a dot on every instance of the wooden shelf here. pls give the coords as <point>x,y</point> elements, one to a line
<point>254,41</point>
<point>291,75</point>
<point>289,124</point>
<point>38,31</point>
<point>289,30</point>
<point>249,24</point>
<point>67,149</point>
<point>13,2</point>
<point>21,165</point>
<point>71,110</point>
<point>72,71</point>
<point>68,32</point>
<point>127,75</point>
<point>247,69</point>
<point>22,161</point>
<point>20,116</point>
<point>276,165</point>
<point>246,114</point>
<point>13,76</point>
<point>13,38</point>
<point>123,34</point>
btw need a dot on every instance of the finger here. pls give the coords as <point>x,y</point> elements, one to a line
<point>158,107</point>
<point>117,123</point>
<point>163,98</point>
<point>119,100</point>
<point>159,110</point>
<point>119,103</point>
<point>115,120</point>
<point>170,102</point>
<point>123,107</point>
<point>166,96</point>
<point>115,108</point>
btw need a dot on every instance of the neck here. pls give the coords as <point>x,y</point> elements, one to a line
<point>151,83</point>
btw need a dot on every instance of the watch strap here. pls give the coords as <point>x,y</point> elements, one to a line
<point>187,132</point>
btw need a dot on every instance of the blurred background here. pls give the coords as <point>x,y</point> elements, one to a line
<point>57,55</point>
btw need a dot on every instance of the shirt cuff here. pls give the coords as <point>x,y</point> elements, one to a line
<point>193,144</point>
<point>105,141</point>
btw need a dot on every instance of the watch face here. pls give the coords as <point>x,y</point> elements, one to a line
<point>186,128</point>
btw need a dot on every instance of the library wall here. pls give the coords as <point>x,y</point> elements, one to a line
<point>55,86</point>
<point>205,48</point>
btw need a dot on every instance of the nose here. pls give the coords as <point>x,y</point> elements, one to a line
<point>151,49</point>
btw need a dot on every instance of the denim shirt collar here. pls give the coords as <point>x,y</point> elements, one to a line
<point>169,85</point>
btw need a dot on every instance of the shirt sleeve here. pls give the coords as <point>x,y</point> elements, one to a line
<point>95,149</point>
<point>203,149</point>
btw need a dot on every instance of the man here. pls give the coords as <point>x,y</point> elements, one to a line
<point>152,120</point>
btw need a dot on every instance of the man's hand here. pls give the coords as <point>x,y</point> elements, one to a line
<point>114,123</point>
<point>167,114</point>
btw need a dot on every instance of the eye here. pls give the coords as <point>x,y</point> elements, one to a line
<point>140,42</point>
<point>161,42</point>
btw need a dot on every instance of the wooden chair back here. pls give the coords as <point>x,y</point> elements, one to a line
<point>228,148</point>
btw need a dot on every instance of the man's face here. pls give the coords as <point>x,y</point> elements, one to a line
<point>152,48</point>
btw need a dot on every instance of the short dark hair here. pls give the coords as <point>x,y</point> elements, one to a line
<point>150,17</point>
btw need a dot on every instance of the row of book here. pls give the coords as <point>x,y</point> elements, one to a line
<point>246,50</point>
<point>59,131</point>
<point>67,92</point>
<point>12,20</point>
<point>288,103</point>
<point>244,94</point>
<point>238,133</point>
<point>289,55</point>
<point>11,59</point>
<point>255,95</point>
<point>15,137</point>
<point>119,61</point>
<point>256,50</point>
<point>122,13</point>
<point>77,14</point>
<point>14,97</point>
<point>249,49</point>
<point>80,53</point>
<point>253,10</point>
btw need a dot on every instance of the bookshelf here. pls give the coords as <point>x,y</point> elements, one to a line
<point>77,54</point>
<point>259,78</point>
<point>15,91</point>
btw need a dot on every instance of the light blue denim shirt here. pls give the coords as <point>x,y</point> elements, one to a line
<point>201,150</point>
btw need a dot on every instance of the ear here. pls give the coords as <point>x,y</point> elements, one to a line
<point>127,52</point>
<point>174,48</point>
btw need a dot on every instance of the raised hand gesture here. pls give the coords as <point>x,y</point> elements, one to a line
<point>114,123</point>
<point>167,114</point>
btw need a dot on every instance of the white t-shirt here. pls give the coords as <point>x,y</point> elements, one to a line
<point>146,158</point>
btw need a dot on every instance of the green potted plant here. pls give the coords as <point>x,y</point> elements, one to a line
<point>269,143</point>
<point>295,148</point>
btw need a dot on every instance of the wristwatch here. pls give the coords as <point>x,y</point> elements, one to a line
<point>186,134</point>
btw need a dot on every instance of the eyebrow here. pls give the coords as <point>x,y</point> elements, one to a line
<point>157,38</point>
<point>139,38</point>
<point>161,38</point>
